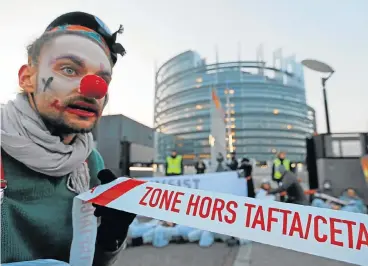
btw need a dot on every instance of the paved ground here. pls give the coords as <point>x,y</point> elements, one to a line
<point>178,255</point>
<point>263,255</point>
<point>219,255</point>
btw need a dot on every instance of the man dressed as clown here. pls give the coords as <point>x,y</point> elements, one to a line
<point>47,154</point>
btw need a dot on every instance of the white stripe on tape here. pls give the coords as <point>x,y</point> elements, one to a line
<point>327,233</point>
<point>82,250</point>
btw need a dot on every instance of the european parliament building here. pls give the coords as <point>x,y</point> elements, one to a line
<point>265,106</point>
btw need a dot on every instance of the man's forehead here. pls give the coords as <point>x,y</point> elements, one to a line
<point>75,46</point>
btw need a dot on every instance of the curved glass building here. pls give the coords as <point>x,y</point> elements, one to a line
<point>265,105</point>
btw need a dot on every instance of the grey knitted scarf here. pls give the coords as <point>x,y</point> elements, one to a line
<point>25,137</point>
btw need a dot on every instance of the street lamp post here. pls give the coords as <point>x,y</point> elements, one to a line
<point>321,67</point>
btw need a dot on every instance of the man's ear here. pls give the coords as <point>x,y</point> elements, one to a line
<point>26,78</point>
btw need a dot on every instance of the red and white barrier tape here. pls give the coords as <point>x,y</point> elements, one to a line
<point>327,233</point>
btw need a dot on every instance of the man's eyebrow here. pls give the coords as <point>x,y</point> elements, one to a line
<point>104,73</point>
<point>75,59</point>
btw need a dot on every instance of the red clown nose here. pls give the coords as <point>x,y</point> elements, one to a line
<point>93,86</point>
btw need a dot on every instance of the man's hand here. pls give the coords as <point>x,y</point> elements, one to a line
<point>114,223</point>
<point>249,177</point>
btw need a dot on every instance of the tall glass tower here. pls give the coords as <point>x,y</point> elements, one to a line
<point>265,105</point>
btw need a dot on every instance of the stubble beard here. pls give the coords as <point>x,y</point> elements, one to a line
<point>59,127</point>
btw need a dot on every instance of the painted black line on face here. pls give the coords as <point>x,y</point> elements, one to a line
<point>47,83</point>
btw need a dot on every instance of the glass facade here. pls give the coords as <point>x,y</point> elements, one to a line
<point>266,107</point>
<point>164,144</point>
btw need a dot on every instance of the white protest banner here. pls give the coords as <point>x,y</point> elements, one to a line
<point>225,182</point>
<point>332,234</point>
<point>82,250</point>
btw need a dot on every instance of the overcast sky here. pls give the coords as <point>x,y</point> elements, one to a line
<point>329,30</point>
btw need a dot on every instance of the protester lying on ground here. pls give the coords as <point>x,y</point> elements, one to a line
<point>349,201</point>
<point>291,185</point>
<point>141,233</point>
<point>183,234</point>
<point>351,196</point>
<point>326,188</point>
<point>138,229</point>
<point>157,233</point>
<point>262,193</point>
<point>160,234</point>
<point>207,239</point>
<point>164,233</point>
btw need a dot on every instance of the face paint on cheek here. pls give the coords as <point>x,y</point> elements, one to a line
<point>48,80</point>
<point>47,83</point>
<point>56,105</point>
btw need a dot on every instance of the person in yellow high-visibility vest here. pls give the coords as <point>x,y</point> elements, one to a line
<point>174,164</point>
<point>280,166</point>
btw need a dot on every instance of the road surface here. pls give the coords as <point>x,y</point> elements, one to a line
<point>219,255</point>
<point>257,254</point>
<point>178,255</point>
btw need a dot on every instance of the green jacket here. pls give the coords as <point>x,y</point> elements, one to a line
<point>276,171</point>
<point>36,214</point>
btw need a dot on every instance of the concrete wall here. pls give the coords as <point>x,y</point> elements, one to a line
<point>108,138</point>
<point>140,153</point>
<point>112,130</point>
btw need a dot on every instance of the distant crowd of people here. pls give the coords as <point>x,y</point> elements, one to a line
<point>146,231</point>
<point>282,174</point>
<point>289,188</point>
<point>349,200</point>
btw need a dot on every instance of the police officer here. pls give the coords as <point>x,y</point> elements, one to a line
<point>280,165</point>
<point>174,164</point>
